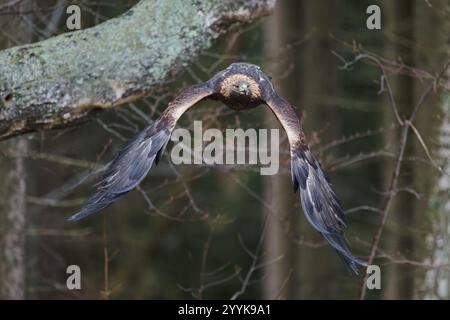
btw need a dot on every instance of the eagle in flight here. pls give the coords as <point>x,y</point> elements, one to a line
<point>241,86</point>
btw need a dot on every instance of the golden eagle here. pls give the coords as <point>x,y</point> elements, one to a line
<point>241,86</point>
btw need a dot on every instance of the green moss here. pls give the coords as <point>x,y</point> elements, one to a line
<point>16,58</point>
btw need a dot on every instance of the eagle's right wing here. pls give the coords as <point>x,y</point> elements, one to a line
<point>136,158</point>
<point>318,198</point>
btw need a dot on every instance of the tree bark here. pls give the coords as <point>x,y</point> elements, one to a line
<point>60,81</point>
<point>437,284</point>
<point>13,210</point>
<point>397,279</point>
<point>14,223</point>
<point>278,188</point>
<point>429,55</point>
<point>321,18</point>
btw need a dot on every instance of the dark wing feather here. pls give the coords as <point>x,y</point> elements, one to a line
<point>320,204</point>
<point>136,158</point>
<point>134,161</point>
<point>128,169</point>
<point>97,202</point>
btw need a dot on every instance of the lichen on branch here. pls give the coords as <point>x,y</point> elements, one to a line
<point>57,82</point>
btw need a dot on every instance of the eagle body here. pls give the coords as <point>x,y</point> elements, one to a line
<point>238,103</point>
<point>241,86</point>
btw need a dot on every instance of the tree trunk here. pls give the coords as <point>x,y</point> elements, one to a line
<point>429,55</point>
<point>13,225</point>
<point>398,25</point>
<point>13,202</point>
<point>320,85</point>
<point>277,188</point>
<point>437,285</point>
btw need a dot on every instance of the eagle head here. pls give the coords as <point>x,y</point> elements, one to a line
<point>240,86</point>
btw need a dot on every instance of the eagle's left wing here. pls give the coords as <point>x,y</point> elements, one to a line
<point>136,158</point>
<point>318,198</point>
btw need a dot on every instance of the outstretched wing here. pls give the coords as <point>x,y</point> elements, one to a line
<point>318,198</point>
<point>134,161</point>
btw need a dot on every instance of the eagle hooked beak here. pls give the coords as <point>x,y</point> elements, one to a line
<point>242,88</point>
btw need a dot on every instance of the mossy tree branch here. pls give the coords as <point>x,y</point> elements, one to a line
<point>58,82</point>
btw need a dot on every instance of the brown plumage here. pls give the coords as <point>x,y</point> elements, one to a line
<point>241,86</point>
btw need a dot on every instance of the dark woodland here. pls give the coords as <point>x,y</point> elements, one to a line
<point>375,110</point>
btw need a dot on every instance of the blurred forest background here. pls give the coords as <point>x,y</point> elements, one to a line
<point>227,232</point>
